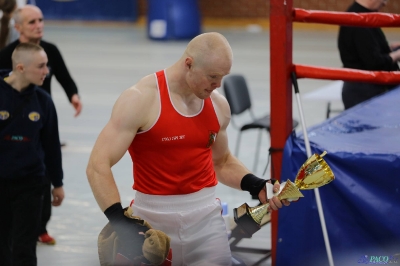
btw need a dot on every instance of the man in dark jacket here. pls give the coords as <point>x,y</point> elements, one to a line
<point>29,23</point>
<point>366,49</point>
<point>29,150</point>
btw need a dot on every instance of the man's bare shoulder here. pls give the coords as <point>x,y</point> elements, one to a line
<point>147,84</point>
<point>138,104</point>
<point>145,87</point>
<point>220,100</point>
<point>140,94</point>
<point>222,108</point>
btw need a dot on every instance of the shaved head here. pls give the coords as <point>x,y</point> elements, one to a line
<point>207,59</point>
<point>207,47</point>
<point>23,53</point>
<point>29,66</point>
<point>29,23</point>
<point>23,11</point>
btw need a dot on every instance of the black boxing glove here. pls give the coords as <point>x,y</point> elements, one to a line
<point>129,232</point>
<point>253,184</point>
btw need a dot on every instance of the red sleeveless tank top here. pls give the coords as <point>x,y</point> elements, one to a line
<point>174,156</point>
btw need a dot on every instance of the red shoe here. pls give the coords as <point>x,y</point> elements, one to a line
<point>46,239</point>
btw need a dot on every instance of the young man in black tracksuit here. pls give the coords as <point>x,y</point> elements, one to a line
<point>29,150</point>
<point>29,23</point>
<point>366,49</point>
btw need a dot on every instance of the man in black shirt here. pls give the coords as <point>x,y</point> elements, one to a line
<point>366,49</point>
<point>29,23</point>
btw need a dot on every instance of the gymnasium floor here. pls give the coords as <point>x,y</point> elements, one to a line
<point>106,59</point>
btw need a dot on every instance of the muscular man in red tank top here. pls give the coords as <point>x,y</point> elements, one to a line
<point>174,125</point>
<point>180,144</point>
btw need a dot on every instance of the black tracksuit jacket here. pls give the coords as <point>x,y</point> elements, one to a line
<point>29,141</point>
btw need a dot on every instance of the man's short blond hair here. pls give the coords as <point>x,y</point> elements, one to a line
<point>23,53</point>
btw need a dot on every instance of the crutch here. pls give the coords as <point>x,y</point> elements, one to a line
<point>308,149</point>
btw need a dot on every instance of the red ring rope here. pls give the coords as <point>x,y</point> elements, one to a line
<point>374,19</point>
<point>347,74</point>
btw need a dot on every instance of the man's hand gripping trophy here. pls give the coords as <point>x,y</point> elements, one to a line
<point>314,173</point>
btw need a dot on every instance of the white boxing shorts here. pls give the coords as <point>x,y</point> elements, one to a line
<point>194,223</point>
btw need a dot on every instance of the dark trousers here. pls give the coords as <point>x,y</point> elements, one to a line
<point>46,208</point>
<point>354,93</point>
<point>20,207</point>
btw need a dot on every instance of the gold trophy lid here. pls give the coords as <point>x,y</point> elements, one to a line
<point>314,173</point>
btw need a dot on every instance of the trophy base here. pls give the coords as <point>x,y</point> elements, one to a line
<point>245,221</point>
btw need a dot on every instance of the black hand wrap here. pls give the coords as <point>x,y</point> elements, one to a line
<point>253,184</point>
<point>127,231</point>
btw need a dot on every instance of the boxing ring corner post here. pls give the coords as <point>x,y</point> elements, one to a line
<point>281,49</point>
<point>282,16</point>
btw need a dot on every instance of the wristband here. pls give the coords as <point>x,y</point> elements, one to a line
<point>252,184</point>
<point>115,212</point>
<point>129,232</point>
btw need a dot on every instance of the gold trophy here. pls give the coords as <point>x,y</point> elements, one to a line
<point>314,173</point>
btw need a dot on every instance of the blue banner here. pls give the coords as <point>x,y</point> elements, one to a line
<point>120,10</point>
<point>362,205</point>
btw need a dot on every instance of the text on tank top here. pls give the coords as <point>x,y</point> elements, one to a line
<point>174,156</point>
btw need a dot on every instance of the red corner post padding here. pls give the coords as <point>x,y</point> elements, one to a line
<point>371,19</point>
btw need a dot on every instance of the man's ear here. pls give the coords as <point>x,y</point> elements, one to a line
<point>189,62</point>
<point>17,27</point>
<point>20,67</point>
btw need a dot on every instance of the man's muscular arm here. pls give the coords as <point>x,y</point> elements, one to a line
<point>109,148</point>
<point>229,170</point>
<point>128,116</point>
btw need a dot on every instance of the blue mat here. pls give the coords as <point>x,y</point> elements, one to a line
<point>362,205</point>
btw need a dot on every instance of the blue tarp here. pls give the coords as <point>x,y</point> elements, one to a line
<point>362,205</point>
